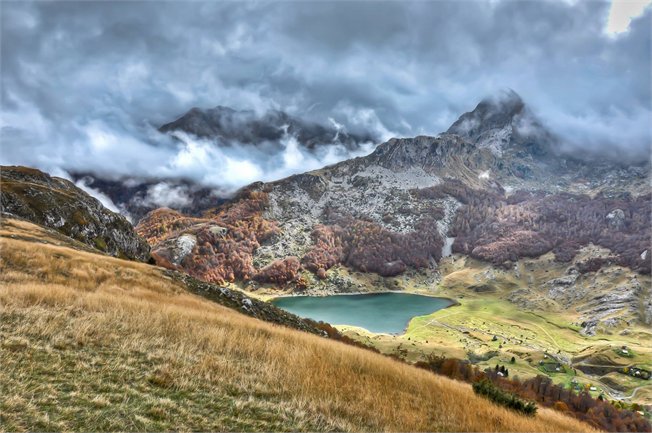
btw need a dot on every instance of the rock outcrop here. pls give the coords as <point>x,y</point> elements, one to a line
<point>58,204</point>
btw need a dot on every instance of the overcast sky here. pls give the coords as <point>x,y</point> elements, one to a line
<point>84,85</point>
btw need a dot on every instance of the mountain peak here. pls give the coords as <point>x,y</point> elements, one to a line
<point>248,127</point>
<point>503,122</point>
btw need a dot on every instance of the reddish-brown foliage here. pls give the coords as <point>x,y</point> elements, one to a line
<point>161,223</point>
<point>327,251</point>
<point>512,246</point>
<point>368,247</point>
<point>455,188</point>
<point>560,406</point>
<point>371,248</point>
<point>497,229</point>
<point>566,251</point>
<point>280,271</point>
<point>227,238</point>
<point>594,264</point>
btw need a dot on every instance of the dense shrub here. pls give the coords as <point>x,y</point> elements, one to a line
<point>566,251</point>
<point>279,271</point>
<point>487,389</point>
<point>368,247</point>
<point>511,247</point>
<point>327,251</point>
<point>160,223</point>
<point>456,188</point>
<point>593,264</point>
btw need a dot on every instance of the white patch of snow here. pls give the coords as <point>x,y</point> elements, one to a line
<point>644,255</point>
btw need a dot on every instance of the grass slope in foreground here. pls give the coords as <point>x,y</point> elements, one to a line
<point>93,342</point>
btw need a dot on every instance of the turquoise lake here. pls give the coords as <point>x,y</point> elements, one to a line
<point>376,312</point>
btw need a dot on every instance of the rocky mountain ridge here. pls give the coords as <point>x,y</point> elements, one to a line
<point>504,123</point>
<point>226,126</point>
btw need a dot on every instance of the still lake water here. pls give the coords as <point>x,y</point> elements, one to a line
<point>376,312</point>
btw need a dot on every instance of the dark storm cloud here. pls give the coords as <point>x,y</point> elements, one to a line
<point>84,85</point>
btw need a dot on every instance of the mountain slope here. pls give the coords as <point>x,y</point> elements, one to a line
<point>121,346</point>
<point>57,203</point>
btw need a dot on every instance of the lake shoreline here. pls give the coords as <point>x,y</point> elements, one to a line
<point>454,302</point>
<point>386,312</point>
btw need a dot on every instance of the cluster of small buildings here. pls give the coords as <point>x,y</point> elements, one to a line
<point>638,373</point>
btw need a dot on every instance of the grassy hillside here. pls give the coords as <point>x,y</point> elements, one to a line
<point>92,342</point>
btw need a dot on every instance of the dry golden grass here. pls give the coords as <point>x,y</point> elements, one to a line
<point>95,343</point>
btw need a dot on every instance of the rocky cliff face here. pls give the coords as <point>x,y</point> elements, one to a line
<point>504,124</point>
<point>57,203</point>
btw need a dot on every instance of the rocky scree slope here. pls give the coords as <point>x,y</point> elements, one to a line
<point>57,203</point>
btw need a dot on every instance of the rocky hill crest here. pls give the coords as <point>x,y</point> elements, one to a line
<point>58,204</point>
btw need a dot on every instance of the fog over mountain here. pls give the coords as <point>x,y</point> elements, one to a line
<point>87,91</point>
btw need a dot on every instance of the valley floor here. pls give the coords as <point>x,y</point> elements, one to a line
<point>89,342</point>
<point>489,328</point>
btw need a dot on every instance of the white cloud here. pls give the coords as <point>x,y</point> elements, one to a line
<point>622,12</point>
<point>366,119</point>
<point>165,195</point>
<point>103,198</point>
